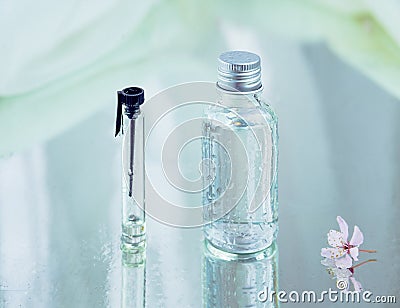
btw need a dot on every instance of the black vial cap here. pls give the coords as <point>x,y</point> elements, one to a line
<point>131,98</point>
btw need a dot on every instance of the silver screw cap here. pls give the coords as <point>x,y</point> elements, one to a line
<point>239,71</point>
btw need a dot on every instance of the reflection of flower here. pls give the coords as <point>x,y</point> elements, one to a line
<point>342,275</point>
<point>341,249</point>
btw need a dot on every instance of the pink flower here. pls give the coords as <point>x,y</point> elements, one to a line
<point>343,251</point>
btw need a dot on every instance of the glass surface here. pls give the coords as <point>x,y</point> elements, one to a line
<point>60,201</point>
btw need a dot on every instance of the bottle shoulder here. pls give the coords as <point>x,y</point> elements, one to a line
<point>268,110</point>
<point>251,109</point>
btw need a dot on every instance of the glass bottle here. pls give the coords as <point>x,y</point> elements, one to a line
<point>240,151</point>
<point>131,119</point>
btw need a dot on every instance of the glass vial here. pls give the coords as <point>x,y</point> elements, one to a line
<point>240,151</point>
<point>133,181</point>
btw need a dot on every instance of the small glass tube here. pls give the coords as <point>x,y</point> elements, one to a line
<point>133,180</point>
<point>133,215</point>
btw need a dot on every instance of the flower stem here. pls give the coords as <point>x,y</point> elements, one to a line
<point>367,250</point>
<point>362,263</point>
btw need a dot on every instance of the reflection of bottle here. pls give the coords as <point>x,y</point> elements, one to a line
<point>240,152</point>
<point>245,280</point>
<point>133,217</point>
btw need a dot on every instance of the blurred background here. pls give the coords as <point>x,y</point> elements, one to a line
<point>331,70</point>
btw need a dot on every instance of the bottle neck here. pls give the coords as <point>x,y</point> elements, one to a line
<point>236,99</point>
<point>130,113</point>
<point>129,119</point>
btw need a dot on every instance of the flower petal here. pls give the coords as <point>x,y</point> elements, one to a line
<point>328,262</point>
<point>332,253</point>
<point>344,228</point>
<point>357,285</point>
<point>341,273</point>
<point>354,253</point>
<point>358,238</point>
<point>344,262</point>
<point>335,238</point>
